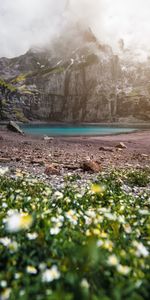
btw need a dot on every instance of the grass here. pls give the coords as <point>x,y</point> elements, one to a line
<point>7,85</point>
<point>75,243</point>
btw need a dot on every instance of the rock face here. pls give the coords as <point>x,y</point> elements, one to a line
<point>87,83</point>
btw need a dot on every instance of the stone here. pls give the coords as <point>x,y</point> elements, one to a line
<point>14,127</point>
<point>51,170</point>
<point>109,149</point>
<point>144,155</point>
<point>121,146</point>
<point>48,138</point>
<point>91,166</point>
<point>5,159</point>
<point>37,161</point>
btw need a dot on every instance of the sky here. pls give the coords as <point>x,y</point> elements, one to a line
<point>28,23</point>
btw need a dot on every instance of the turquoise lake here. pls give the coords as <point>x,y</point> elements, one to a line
<point>61,130</point>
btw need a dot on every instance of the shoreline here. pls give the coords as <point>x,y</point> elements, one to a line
<point>141,125</point>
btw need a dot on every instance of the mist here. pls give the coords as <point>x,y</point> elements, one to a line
<point>32,23</point>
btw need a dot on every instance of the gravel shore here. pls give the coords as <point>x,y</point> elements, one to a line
<point>33,154</point>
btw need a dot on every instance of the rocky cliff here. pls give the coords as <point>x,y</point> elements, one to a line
<point>76,80</point>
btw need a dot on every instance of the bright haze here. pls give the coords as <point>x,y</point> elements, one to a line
<point>29,23</point>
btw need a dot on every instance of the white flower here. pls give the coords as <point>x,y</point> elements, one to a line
<point>13,246</point>
<point>3,171</point>
<point>121,219</point>
<point>55,231</point>
<point>32,236</point>
<point>42,266</point>
<point>4,205</point>
<point>5,294</point>
<point>31,270</point>
<point>51,274</point>
<point>84,283</point>
<point>127,228</point>
<point>143,212</point>
<point>58,195</point>
<point>17,275</point>
<point>57,219</point>
<point>140,249</point>
<point>5,241</point>
<point>3,283</point>
<point>110,216</point>
<point>71,215</point>
<point>16,222</point>
<point>91,213</point>
<point>113,260</point>
<point>99,243</point>
<point>124,270</point>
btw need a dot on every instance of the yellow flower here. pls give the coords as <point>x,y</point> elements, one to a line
<point>26,221</point>
<point>108,245</point>
<point>96,231</point>
<point>97,188</point>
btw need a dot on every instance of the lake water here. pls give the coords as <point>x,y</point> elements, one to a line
<point>61,130</point>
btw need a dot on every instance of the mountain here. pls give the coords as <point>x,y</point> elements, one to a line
<point>75,79</point>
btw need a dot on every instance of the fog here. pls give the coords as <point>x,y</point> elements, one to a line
<point>29,23</point>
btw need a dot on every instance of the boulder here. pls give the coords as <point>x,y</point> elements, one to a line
<point>91,166</point>
<point>48,138</point>
<point>107,149</point>
<point>14,127</point>
<point>51,170</point>
<point>121,146</point>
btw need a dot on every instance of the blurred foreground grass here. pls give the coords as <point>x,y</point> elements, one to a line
<point>78,242</point>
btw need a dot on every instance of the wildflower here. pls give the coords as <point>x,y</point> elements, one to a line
<point>17,222</point>
<point>17,275</point>
<point>99,243</point>
<point>72,217</point>
<point>127,228</point>
<point>124,270</point>
<point>3,171</point>
<point>84,284</point>
<point>5,294</point>
<point>42,266</point>
<point>96,231</point>
<point>91,213</point>
<point>143,212</point>
<point>55,231</point>
<point>51,274</point>
<point>3,283</point>
<point>32,236</point>
<point>58,195</point>
<point>121,219</point>
<point>4,205</point>
<point>31,270</point>
<point>108,245</point>
<point>113,260</point>
<point>97,188</point>
<point>13,246</point>
<point>140,249</point>
<point>110,216</point>
<point>5,241</point>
